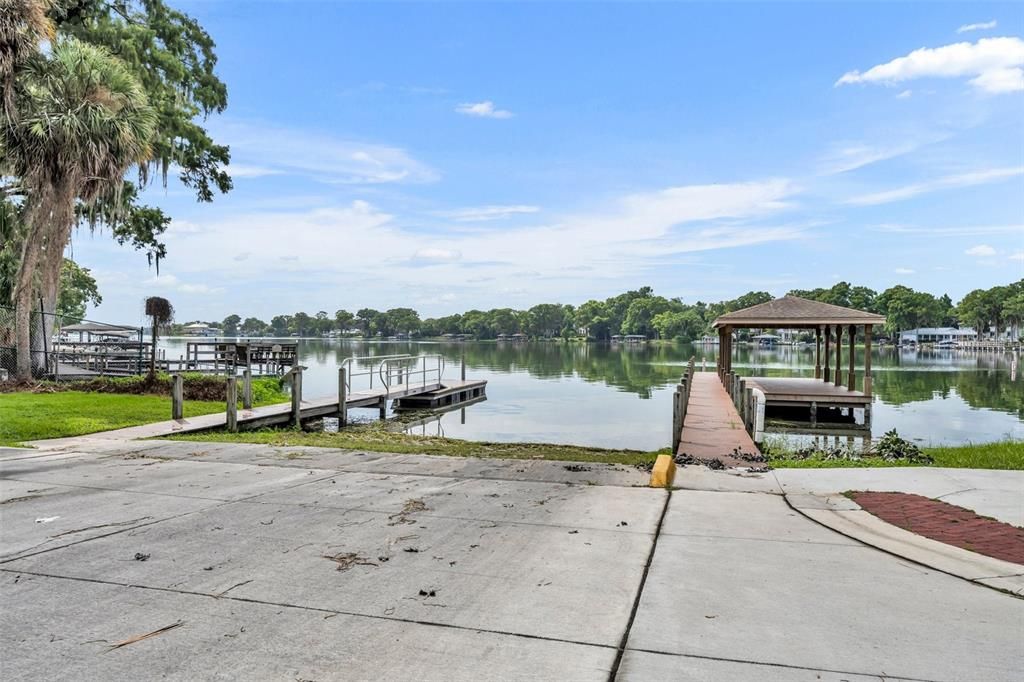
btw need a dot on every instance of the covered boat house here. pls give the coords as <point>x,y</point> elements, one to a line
<point>834,387</point>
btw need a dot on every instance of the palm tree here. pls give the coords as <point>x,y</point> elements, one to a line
<point>23,25</point>
<point>82,121</point>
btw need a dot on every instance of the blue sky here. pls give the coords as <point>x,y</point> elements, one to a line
<point>456,156</point>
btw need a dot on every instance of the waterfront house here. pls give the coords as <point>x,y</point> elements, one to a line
<point>766,340</point>
<point>199,329</point>
<point>944,335</point>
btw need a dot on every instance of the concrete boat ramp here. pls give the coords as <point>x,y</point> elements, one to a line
<point>176,560</point>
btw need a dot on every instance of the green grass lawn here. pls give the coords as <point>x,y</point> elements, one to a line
<point>35,416</point>
<point>1000,455</point>
<point>377,437</point>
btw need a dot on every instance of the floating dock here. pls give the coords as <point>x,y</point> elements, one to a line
<point>450,394</point>
<point>282,414</point>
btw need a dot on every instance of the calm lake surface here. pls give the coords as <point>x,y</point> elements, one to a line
<point>612,396</point>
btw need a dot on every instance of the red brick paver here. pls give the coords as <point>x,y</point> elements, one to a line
<point>947,523</point>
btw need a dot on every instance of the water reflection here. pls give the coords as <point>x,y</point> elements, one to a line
<point>618,396</point>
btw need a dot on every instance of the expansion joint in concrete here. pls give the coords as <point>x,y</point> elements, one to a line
<point>614,672</point>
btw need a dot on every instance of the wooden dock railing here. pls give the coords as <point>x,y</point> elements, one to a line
<point>749,401</point>
<point>680,400</point>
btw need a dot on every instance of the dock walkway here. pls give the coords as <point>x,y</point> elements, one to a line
<point>713,428</point>
<point>281,413</point>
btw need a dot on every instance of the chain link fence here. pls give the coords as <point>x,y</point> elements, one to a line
<point>63,347</point>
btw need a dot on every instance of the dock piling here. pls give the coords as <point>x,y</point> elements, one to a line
<point>247,389</point>
<point>177,396</point>
<point>232,404</point>
<point>296,396</point>
<point>677,411</point>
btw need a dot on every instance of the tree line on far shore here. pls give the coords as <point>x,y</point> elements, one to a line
<point>642,312</point>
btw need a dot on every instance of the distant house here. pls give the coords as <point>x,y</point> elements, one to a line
<point>938,335</point>
<point>199,329</point>
<point>766,339</point>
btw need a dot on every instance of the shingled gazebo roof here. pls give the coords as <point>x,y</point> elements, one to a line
<point>792,312</point>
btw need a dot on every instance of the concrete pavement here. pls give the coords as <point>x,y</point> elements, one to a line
<point>319,564</point>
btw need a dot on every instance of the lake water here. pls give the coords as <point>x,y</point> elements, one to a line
<point>610,396</point>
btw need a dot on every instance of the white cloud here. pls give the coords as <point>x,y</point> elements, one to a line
<point>905,94</point>
<point>483,109</point>
<point>948,182</point>
<point>981,251</point>
<point>1000,80</point>
<point>904,271</point>
<point>850,157</point>
<point>994,65</point>
<point>1019,255</point>
<point>163,281</point>
<point>960,231</point>
<point>436,255</point>
<point>325,251</point>
<point>269,149</point>
<point>198,289</point>
<point>983,26</point>
<point>242,170</point>
<point>182,227</point>
<point>167,282</point>
<point>484,213</point>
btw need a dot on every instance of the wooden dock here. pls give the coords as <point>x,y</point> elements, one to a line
<point>797,391</point>
<point>712,428</point>
<point>282,413</point>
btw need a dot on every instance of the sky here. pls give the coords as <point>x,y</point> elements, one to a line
<point>454,156</point>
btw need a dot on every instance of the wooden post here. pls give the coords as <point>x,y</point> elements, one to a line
<point>297,395</point>
<point>342,398</point>
<point>839,355</point>
<point>685,401</point>
<point>728,344</point>
<point>177,397</point>
<point>247,389</point>
<point>677,421</point>
<point>817,352</point>
<point>851,380</point>
<point>741,395</point>
<point>721,349</point>
<point>867,359</point>
<point>748,396</point>
<point>232,404</point>
<point>383,407</point>
<point>827,372</point>
<point>463,363</point>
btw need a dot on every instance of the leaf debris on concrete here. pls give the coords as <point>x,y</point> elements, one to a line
<point>347,560</point>
<point>139,638</point>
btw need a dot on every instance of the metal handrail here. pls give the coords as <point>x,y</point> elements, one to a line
<point>386,374</point>
<point>348,363</point>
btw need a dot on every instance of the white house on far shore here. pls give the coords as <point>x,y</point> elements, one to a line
<point>199,329</point>
<point>938,334</point>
